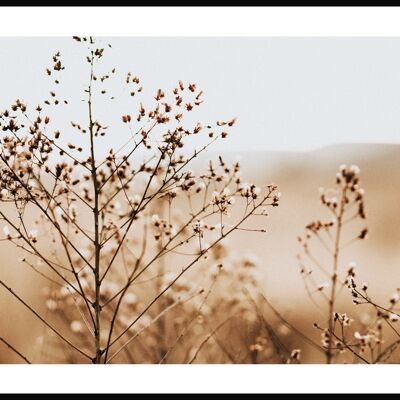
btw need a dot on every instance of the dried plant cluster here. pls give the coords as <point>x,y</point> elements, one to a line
<point>115,239</point>
<point>345,204</point>
<point>130,249</point>
<point>341,337</point>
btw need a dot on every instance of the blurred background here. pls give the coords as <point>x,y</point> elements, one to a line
<point>299,176</point>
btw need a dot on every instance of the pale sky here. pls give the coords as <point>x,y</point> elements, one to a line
<point>288,93</point>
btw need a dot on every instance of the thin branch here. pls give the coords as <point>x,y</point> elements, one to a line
<point>12,348</point>
<point>293,328</point>
<point>44,321</point>
<point>208,337</point>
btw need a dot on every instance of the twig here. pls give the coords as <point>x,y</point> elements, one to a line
<point>43,320</point>
<point>11,347</point>
<point>208,337</point>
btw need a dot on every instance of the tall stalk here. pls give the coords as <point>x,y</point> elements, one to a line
<point>336,253</point>
<point>96,214</point>
<point>345,203</point>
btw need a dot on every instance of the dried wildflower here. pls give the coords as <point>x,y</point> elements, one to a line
<point>126,119</point>
<point>394,299</point>
<point>76,327</point>
<point>295,355</point>
<point>120,232</point>
<point>223,200</point>
<point>51,304</point>
<point>6,231</point>
<point>343,319</point>
<point>393,317</point>
<point>341,201</point>
<point>322,286</point>
<point>33,235</point>
<point>4,193</point>
<point>131,299</point>
<point>198,227</point>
